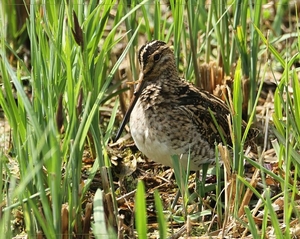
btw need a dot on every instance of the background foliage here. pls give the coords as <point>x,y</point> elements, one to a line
<point>63,66</point>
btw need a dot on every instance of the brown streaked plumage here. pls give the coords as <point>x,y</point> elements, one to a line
<point>169,116</point>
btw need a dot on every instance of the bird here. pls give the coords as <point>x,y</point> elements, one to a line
<point>170,116</point>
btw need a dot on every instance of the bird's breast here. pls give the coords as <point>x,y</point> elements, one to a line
<point>145,131</point>
<point>161,131</point>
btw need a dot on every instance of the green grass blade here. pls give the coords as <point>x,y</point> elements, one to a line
<point>162,225</point>
<point>270,47</point>
<point>237,118</point>
<point>140,211</point>
<point>251,223</point>
<point>99,225</point>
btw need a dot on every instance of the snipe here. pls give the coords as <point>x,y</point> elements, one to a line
<point>169,116</point>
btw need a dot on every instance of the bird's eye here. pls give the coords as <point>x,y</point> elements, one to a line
<point>156,57</point>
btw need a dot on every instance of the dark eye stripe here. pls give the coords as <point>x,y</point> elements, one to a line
<point>147,50</point>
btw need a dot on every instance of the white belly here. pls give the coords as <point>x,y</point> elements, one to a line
<point>161,136</point>
<point>145,140</point>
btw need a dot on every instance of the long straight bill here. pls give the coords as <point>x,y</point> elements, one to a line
<point>134,99</point>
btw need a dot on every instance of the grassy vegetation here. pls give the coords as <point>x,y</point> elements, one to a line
<point>80,53</point>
